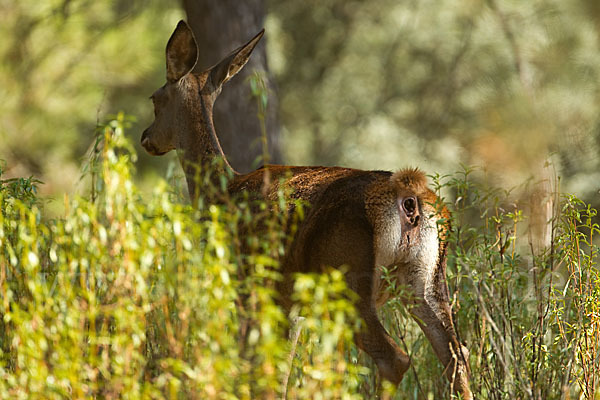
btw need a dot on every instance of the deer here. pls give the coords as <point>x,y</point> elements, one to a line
<point>362,220</point>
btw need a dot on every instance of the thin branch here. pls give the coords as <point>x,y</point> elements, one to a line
<point>520,63</point>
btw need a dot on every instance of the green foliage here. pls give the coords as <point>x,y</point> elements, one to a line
<point>327,324</point>
<point>501,84</point>
<point>132,297</point>
<point>65,65</point>
<point>24,189</point>
<point>530,317</point>
<point>128,297</point>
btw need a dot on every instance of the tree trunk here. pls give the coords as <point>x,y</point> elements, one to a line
<point>220,26</point>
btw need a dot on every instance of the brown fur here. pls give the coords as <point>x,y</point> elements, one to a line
<point>411,179</point>
<point>363,220</point>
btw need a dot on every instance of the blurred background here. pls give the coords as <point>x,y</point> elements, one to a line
<point>507,86</point>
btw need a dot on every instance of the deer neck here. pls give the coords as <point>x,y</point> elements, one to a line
<point>200,153</point>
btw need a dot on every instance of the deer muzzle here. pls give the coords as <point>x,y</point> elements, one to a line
<point>148,146</point>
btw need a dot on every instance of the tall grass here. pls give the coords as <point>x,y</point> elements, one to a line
<point>131,296</point>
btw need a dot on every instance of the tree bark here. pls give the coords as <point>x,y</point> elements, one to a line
<point>220,26</point>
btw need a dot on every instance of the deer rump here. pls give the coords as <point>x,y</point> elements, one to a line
<point>364,220</point>
<point>353,216</point>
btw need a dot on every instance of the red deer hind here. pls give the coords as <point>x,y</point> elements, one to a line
<point>364,220</point>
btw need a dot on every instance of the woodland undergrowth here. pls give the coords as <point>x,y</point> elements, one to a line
<point>142,296</point>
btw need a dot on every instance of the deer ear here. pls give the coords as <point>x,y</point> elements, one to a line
<point>233,63</point>
<point>182,52</point>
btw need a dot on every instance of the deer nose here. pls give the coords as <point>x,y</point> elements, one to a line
<point>145,139</point>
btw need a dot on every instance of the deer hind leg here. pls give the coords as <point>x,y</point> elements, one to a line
<point>342,236</point>
<point>433,314</point>
<point>391,361</point>
<point>373,339</point>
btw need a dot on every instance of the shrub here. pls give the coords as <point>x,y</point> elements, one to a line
<point>128,296</point>
<point>529,318</point>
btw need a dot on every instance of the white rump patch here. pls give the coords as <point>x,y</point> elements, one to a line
<point>388,238</point>
<point>423,254</point>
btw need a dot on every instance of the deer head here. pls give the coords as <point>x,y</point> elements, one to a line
<point>183,105</point>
